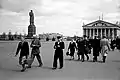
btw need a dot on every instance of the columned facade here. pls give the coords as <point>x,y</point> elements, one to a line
<point>100,28</point>
<point>100,32</point>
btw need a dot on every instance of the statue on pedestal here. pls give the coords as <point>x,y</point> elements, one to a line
<point>31,14</point>
<point>31,27</point>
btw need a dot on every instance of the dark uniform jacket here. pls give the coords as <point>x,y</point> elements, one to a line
<point>59,46</point>
<point>35,46</point>
<point>23,47</point>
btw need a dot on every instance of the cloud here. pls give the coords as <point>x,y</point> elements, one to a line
<point>17,5</point>
<point>66,16</point>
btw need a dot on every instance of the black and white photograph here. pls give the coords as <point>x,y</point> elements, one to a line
<point>59,39</point>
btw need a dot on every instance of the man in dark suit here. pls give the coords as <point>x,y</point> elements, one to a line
<point>59,46</point>
<point>86,48</point>
<point>23,48</point>
<point>96,48</point>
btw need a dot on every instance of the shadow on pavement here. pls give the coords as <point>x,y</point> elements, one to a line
<point>93,62</point>
<point>46,67</point>
<point>80,60</point>
<point>16,70</point>
<point>116,61</point>
<point>10,70</point>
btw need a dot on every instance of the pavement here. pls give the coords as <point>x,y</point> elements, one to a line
<point>72,70</point>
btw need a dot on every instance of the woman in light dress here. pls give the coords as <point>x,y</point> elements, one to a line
<point>105,47</point>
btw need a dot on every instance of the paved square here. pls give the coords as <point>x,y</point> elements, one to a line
<point>73,70</point>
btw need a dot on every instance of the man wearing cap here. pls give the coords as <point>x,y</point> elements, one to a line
<point>23,48</point>
<point>35,45</point>
<point>59,46</point>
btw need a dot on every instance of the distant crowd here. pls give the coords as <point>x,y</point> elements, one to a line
<point>83,46</point>
<point>86,46</point>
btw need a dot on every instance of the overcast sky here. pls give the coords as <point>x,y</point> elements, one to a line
<point>61,16</point>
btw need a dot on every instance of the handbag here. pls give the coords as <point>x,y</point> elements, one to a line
<point>67,53</point>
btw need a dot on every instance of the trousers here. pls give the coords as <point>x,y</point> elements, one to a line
<point>38,58</point>
<point>21,58</point>
<point>56,57</point>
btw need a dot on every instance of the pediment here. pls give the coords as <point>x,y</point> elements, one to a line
<point>100,23</point>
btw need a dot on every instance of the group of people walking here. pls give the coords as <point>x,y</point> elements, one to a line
<point>82,45</point>
<point>23,48</point>
<point>26,60</point>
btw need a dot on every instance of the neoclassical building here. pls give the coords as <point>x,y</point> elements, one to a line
<point>101,28</point>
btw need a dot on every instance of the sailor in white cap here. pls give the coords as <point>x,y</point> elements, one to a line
<point>58,46</point>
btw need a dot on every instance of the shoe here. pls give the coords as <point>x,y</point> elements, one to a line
<point>103,61</point>
<point>40,65</point>
<point>60,67</point>
<point>23,69</point>
<point>78,58</point>
<point>28,66</point>
<point>54,68</point>
<point>82,60</point>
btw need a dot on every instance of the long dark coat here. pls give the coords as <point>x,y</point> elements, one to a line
<point>86,46</point>
<point>80,45</point>
<point>118,43</point>
<point>113,44</point>
<point>72,47</point>
<point>96,47</point>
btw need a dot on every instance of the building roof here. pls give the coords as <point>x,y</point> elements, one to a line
<point>100,23</point>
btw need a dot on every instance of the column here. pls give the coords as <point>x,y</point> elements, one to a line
<point>97,32</point>
<point>86,32</point>
<point>105,32</point>
<point>113,33</point>
<point>101,33</point>
<point>109,33</point>
<point>90,33</point>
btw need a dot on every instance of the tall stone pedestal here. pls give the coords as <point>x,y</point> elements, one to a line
<point>31,30</point>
